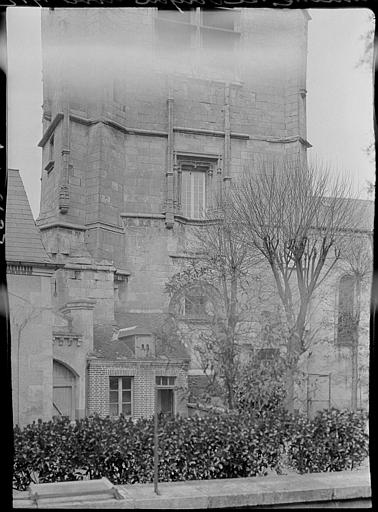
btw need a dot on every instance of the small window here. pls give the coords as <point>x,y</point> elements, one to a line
<point>165,381</point>
<point>165,395</point>
<point>120,396</point>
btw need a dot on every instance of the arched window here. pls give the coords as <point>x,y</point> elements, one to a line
<point>194,302</point>
<point>345,321</point>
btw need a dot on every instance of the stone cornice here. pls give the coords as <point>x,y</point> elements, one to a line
<point>142,215</point>
<point>59,224</point>
<point>50,129</point>
<point>87,304</point>
<point>182,129</point>
<point>89,266</point>
<point>15,267</point>
<point>212,133</point>
<point>103,225</point>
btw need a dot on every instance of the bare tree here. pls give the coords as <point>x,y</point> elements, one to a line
<point>357,262</point>
<point>220,268</point>
<point>295,216</point>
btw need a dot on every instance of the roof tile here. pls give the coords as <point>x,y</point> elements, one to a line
<point>23,239</point>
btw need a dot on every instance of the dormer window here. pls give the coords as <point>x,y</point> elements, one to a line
<point>140,342</point>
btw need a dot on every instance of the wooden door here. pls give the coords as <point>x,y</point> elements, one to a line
<point>63,391</point>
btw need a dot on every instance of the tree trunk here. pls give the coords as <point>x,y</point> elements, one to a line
<point>354,349</point>
<point>289,400</point>
<point>354,387</point>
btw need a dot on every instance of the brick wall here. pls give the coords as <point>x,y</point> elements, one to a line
<point>143,374</point>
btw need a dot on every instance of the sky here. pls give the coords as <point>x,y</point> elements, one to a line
<point>339,99</point>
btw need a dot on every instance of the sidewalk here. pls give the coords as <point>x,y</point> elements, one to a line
<point>342,489</point>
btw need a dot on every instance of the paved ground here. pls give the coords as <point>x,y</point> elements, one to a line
<point>331,489</point>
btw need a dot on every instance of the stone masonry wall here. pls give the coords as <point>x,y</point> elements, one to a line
<point>31,322</point>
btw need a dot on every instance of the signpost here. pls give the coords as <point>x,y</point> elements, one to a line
<point>156,445</point>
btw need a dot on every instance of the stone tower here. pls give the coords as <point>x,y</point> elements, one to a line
<point>147,115</point>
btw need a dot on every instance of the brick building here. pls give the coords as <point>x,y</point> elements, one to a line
<point>147,116</point>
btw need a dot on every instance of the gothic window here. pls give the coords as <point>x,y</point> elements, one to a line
<point>195,302</point>
<point>120,396</point>
<point>202,33</point>
<point>194,187</point>
<point>174,29</point>
<point>345,323</point>
<point>218,30</point>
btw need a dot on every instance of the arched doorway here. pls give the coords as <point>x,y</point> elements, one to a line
<point>63,391</point>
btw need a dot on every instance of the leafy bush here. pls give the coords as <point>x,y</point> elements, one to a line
<point>333,441</point>
<point>216,446</point>
<point>221,445</point>
<point>261,386</point>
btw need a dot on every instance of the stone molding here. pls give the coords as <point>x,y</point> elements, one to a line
<point>65,225</point>
<point>69,339</point>
<point>182,129</point>
<point>87,304</point>
<point>50,129</point>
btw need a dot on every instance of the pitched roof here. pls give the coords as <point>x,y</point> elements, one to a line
<point>168,345</point>
<point>22,237</point>
<point>365,214</point>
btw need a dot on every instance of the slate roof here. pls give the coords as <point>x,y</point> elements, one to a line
<point>167,346</point>
<point>22,237</point>
<point>365,212</point>
<point>362,214</point>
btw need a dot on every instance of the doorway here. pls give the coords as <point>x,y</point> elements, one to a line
<point>63,391</point>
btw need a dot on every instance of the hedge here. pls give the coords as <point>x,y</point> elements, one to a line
<point>333,441</point>
<point>223,445</point>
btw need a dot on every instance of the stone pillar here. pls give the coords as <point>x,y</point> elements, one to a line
<point>80,313</point>
<point>64,193</point>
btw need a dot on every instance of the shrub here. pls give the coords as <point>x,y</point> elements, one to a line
<point>333,441</point>
<point>217,446</point>
<point>261,386</point>
<point>221,445</point>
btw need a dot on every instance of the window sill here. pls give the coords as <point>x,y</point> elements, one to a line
<point>49,166</point>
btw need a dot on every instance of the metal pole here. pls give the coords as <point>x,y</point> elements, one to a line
<point>156,440</point>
